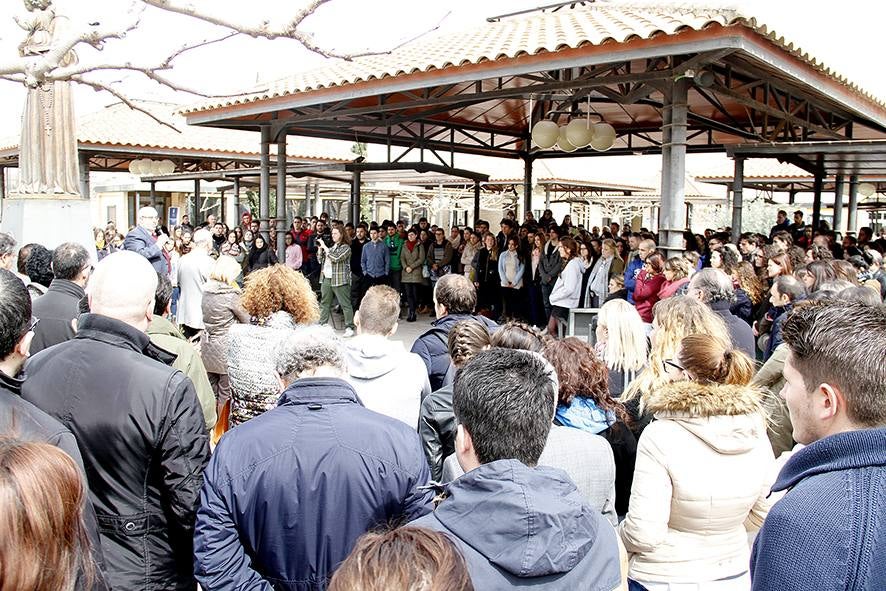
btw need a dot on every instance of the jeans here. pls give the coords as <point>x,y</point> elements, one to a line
<point>342,293</point>
<point>411,297</point>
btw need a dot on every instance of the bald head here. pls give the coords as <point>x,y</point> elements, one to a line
<point>148,218</point>
<point>122,287</point>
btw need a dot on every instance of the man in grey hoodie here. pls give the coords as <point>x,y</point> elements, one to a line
<point>519,524</point>
<point>387,378</point>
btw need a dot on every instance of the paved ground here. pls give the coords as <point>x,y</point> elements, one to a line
<point>406,333</point>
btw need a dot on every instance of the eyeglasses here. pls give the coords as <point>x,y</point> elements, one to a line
<point>31,325</point>
<point>669,364</point>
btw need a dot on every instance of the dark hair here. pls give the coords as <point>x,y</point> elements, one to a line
<point>505,399</point>
<point>518,335</point>
<point>163,294</point>
<point>656,260</point>
<point>23,253</point>
<point>845,270</point>
<point>581,373</point>
<point>456,293</point>
<point>842,343</point>
<point>39,265</point>
<point>403,558</point>
<point>571,245</point>
<point>15,312</point>
<point>821,272</point>
<point>7,244</point>
<point>466,339</point>
<point>790,286</point>
<point>68,260</point>
<point>862,294</point>
<point>784,237</point>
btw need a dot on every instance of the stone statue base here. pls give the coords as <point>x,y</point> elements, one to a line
<point>48,220</point>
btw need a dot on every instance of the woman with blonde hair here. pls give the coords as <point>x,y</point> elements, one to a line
<point>703,473</point>
<point>621,344</point>
<point>221,310</point>
<point>277,300</point>
<point>43,541</point>
<point>676,272</point>
<point>673,319</point>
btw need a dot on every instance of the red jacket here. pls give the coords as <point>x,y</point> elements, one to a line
<point>646,293</point>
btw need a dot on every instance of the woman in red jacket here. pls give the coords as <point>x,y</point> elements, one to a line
<point>648,286</point>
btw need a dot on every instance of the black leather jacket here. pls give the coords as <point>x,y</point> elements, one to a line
<point>436,427</point>
<point>143,438</point>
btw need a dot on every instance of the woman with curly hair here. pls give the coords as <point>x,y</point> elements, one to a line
<point>277,300</point>
<point>584,403</point>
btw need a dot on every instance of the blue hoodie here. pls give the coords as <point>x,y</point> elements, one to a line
<point>527,527</point>
<point>583,413</point>
<point>829,530</point>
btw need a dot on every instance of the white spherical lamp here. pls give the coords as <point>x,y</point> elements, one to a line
<point>563,142</point>
<point>167,167</point>
<point>545,134</point>
<point>604,137</point>
<point>867,189</point>
<point>580,132</point>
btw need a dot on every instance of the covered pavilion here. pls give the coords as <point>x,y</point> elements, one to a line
<point>670,79</point>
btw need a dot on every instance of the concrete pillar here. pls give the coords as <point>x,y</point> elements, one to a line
<point>83,168</point>
<point>318,203</point>
<point>355,197</point>
<point>281,195</point>
<point>853,205</point>
<point>737,197</point>
<point>838,203</point>
<point>264,185</point>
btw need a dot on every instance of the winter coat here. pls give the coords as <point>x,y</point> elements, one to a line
<point>193,273</point>
<point>144,443</point>
<point>394,244</point>
<point>56,309</point>
<point>141,241</point>
<point>646,291</point>
<point>517,279</point>
<point>166,336</point>
<point>672,288</point>
<point>260,258</point>
<point>221,310</point>
<point>740,332</point>
<point>775,339</point>
<point>288,493</point>
<point>704,469</point>
<point>566,292</point>
<point>436,427</point>
<point>293,258</point>
<point>387,378</point>
<point>601,272</point>
<point>413,259</point>
<point>433,345</point>
<point>550,265</point>
<point>742,306</point>
<point>251,370</point>
<point>770,379</point>
<point>489,283</point>
<point>632,271</point>
<point>527,527</point>
<point>828,532</point>
<point>29,423</point>
<point>584,414</point>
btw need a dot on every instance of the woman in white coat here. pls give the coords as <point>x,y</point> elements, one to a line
<point>567,289</point>
<point>703,473</point>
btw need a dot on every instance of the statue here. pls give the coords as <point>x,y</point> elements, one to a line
<point>48,150</point>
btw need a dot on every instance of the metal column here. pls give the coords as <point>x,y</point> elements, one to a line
<point>853,205</point>
<point>673,172</point>
<point>264,186</point>
<point>281,195</point>
<point>318,205</point>
<point>355,197</point>
<point>737,198</point>
<point>237,199</point>
<point>816,197</point>
<point>476,202</point>
<point>153,194</point>
<point>527,185</point>
<point>195,206</point>
<point>547,197</point>
<point>838,203</point>
<point>230,205</point>
<point>83,168</point>
<point>307,199</point>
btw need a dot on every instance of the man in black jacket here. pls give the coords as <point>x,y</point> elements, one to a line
<point>549,267</point>
<point>59,306</point>
<point>21,419</point>
<point>714,288</point>
<point>138,424</point>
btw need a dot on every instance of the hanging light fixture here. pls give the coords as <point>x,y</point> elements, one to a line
<point>580,132</point>
<point>545,134</point>
<point>563,142</point>
<point>867,189</point>
<point>604,137</point>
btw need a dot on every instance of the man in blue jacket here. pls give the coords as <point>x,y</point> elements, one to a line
<point>288,493</point>
<point>375,261</point>
<point>829,532</point>
<point>141,239</point>
<point>516,523</point>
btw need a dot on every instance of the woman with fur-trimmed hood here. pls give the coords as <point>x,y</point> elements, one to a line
<point>703,472</point>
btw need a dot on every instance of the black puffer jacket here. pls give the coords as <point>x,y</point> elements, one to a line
<point>433,346</point>
<point>143,438</point>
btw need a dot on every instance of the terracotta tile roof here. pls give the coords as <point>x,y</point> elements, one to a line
<point>119,126</point>
<point>757,168</point>
<point>592,24</point>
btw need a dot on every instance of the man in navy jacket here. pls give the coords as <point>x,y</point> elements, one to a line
<point>829,531</point>
<point>288,493</point>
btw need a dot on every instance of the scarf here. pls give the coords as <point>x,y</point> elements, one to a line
<point>411,245</point>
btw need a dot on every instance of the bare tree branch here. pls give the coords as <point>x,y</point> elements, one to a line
<point>100,87</point>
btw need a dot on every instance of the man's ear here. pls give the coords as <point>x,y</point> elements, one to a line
<point>23,346</point>
<point>280,383</point>
<point>357,318</point>
<point>393,329</point>
<point>830,403</point>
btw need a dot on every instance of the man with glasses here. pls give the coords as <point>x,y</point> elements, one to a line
<point>142,239</point>
<point>60,306</point>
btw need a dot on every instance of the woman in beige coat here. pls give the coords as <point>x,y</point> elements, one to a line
<point>703,473</point>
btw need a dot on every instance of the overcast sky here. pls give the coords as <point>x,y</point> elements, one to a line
<point>847,36</point>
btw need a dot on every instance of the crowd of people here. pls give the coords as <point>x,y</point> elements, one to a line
<point>180,407</point>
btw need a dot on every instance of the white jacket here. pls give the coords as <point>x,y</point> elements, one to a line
<point>704,470</point>
<point>388,379</point>
<point>567,289</point>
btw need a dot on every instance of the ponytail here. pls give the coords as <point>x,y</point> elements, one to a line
<point>710,360</point>
<point>739,369</point>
